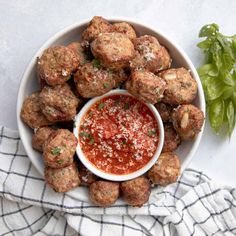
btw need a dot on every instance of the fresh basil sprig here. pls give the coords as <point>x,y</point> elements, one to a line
<point>218,76</point>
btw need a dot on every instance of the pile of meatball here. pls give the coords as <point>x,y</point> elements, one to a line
<point>109,56</point>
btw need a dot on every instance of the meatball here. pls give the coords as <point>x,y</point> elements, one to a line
<point>150,55</point>
<point>96,26</point>
<point>166,170</point>
<point>119,76</point>
<point>77,48</point>
<point>104,193</point>
<point>125,28</point>
<point>164,110</point>
<point>40,137</point>
<point>59,149</point>
<point>187,121</point>
<point>56,65</point>
<point>58,103</point>
<point>114,50</point>
<point>86,176</point>
<point>136,191</point>
<point>31,113</point>
<point>181,88</point>
<point>91,80</point>
<point>146,86</point>
<point>63,179</point>
<point>172,139</point>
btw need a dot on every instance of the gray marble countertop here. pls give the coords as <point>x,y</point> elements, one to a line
<point>26,25</point>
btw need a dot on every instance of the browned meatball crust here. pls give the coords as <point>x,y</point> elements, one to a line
<point>31,112</point>
<point>63,179</point>
<point>59,149</point>
<point>104,193</point>
<point>146,86</point>
<point>136,191</point>
<point>86,176</point>
<point>114,50</point>
<point>91,80</point>
<point>166,170</point>
<point>78,50</point>
<point>56,65</point>
<point>181,88</point>
<point>58,103</point>
<point>150,55</point>
<point>172,139</point>
<point>125,28</point>
<point>120,76</point>
<point>165,111</point>
<point>187,121</point>
<point>96,26</point>
<point>40,137</point>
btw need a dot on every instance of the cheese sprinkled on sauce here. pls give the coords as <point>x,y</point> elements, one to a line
<point>119,134</point>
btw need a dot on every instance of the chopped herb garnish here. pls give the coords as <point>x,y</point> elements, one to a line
<point>84,134</point>
<point>60,161</point>
<point>56,150</point>
<point>90,113</point>
<point>117,102</point>
<point>96,64</point>
<point>109,71</point>
<point>91,141</point>
<point>101,105</point>
<point>151,132</point>
<point>106,85</point>
<point>124,142</point>
<point>126,106</point>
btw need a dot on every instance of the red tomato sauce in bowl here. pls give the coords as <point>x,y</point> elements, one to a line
<point>118,134</point>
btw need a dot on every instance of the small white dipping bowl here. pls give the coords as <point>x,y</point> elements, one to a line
<point>101,173</point>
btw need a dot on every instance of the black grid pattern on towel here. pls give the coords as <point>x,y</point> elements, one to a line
<point>178,210</point>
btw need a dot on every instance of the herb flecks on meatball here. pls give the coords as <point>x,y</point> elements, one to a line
<point>146,86</point>
<point>114,50</point>
<point>136,191</point>
<point>187,121</point>
<point>31,112</point>
<point>63,179</point>
<point>104,193</point>
<point>165,111</point>
<point>150,55</point>
<point>58,103</point>
<point>56,65</point>
<point>125,28</point>
<point>40,137</point>
<point>59,149</point>
<point>171,140</point>
<point>91,80</point>
<point>181,88</point>
<point>166,170</point>
<point>96,26</point>
<point>78,50</point>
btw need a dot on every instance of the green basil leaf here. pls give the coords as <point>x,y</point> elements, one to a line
<point>227,92</point>
<point>204,70</point>
<point>216,114</point>
<point>209,30</point>
<point>233,98</point>
<point>212,87</point>
<point>230,112</point>
<point>205,45</point>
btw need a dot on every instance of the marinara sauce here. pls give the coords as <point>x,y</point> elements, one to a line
<point>119,134</point>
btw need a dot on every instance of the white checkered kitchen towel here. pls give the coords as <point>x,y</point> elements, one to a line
<point>194,205</point>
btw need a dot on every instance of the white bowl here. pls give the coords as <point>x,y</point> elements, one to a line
<point>108,176</point>
<point>29,84</point>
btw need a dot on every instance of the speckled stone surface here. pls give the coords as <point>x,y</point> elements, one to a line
<point>26,25</point>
